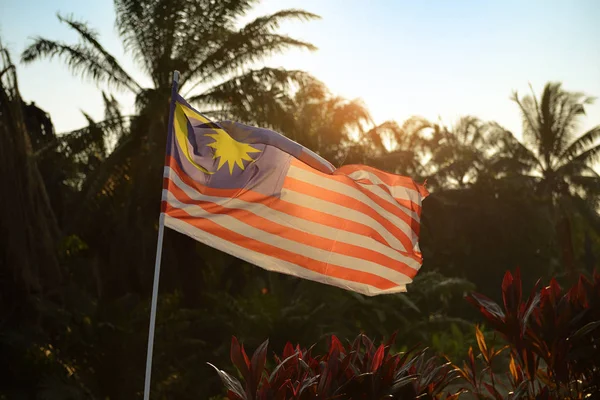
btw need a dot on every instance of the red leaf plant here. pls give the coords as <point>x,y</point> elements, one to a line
<point>358,370</point>
<point>553,336</point>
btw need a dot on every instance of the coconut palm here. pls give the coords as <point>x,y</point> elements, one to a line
<point>561,160</point>
<point>313,117</point>
<point>325,123</point>
<point>558,162</point>
<point>452,157</point>
<point>116,208</point>
<point>392,147</point>
<point>201,39</point>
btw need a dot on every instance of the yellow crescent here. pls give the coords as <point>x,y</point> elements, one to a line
<point>181,132</point>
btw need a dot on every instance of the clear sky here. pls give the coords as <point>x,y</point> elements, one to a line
<point>401,57</point>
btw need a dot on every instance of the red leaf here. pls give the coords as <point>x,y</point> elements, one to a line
<point>493,391</point>
<point>282,391</point>
<point>391,342</point>
<point>507,282</point>
<point>299,350</point>
<point>512,291</point>
<point>377,358</point>
<point>481,344</point>
<point>258,365</point>
<point>493,311</point>
<point>554,290</point>
<point>336,344</point>
<point>288,350</point>
<point>239,358</point>
<point>472,364</point>
<point>232,396</point>
<point>389,367</point>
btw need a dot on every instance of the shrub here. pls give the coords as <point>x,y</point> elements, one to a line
<point>357,370</point>
<point>553,338</point>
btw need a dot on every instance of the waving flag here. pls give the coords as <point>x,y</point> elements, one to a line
<point>266,199</point>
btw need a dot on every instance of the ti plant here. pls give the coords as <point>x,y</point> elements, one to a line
<point>553,338</point>
<point>357,370</point>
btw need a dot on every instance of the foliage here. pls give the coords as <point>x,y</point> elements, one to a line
<point>217,58</point>
<point>80,223</point>
<point>552,335</point>
<point>357,370</point>
<point>27,220</point>
<point>557,160</point>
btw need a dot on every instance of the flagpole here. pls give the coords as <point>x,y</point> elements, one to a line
<point>159,245</point>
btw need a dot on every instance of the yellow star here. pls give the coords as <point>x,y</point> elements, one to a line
<point>229,150</point>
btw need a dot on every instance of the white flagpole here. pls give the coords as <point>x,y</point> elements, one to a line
<point>159,245</point>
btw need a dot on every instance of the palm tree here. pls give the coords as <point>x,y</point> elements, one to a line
<point>558,162</point>
<point>196,37</point>
<point>452,157</point>
<point>324,123</point>
<point>116,205</point>
<point>392,147</point>
<point>27,255</point>
<point>199,38</point>
<point>313,117</point>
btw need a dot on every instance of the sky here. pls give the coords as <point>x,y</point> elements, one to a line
<point>434,58</point>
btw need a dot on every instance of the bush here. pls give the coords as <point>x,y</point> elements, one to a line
<point>357,370</point>
<point>553,338</point>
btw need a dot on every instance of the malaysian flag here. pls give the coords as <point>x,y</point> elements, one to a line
<point>261,197</point>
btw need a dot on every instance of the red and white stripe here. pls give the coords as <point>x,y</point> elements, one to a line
<point>352,230</point>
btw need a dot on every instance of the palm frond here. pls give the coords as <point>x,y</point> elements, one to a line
<point>238,53</point>
<point>79,58</point>
<point>512,148</point>
<point>274,20</point>
<point>350,115</point>
<point>581,143</point>
<point>469,130</point>
<point>587,207</point>
<point>116,126</point>
<point>389,130</point>
<point>567,120</point>
<point>164,35</point>
<point>581,160</point>
<point>415,125</point>
<point>546,110</point>
<point>590,184</point>
<point>228,10</point>
<point>528,116</point>
<point>258,96</point>
<point>74,142</point>
<point>102,182</point>
<point>90,37</point>
<point>253,42</point>
<point>132,25</point>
